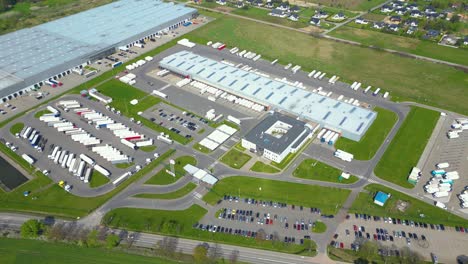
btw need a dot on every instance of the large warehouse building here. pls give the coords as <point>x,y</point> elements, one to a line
<point>352,121</point>
<point>30,56</point>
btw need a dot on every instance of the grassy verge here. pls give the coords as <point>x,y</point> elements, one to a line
<point>16,128</point>
<point>401,43</point>
<point>235,159</point>
<point>97,179</point>
<point>201,148</point>
<point>262,167</point>
<point>172,195</point>
<point>320,227</point>
<point>238,146</point>
<point>336,58</point>
<point>329,200</point>
<point>432,214</point>
<point>47,197</point>
<point>366,148</point>
<point>315,170</point>
<point>290,157</point>
<point>124,165</point>
<point>406,148</point>
<point>42,252</point>
<point>41,113</point>
<point>176,223</point>
<point>227,123</point>
<point>147,148</point>
<point>263,14</point>
<point>164,178</point>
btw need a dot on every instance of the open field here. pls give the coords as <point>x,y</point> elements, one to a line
<point>235,159</point>
<point>164,178</point>
<point>315,170</point>
<point>201,148</point>
<point>15,251</point>
<point>97,179</point>
<point>404,151</point>
<point>262,14</point>
<point>369,66</point>
<point>16,128</point>
<point>47,197</point>
<point>262,167</point>
<point>176,223</point>
<point>402,43</point>
<point>432,214</point>
<point>327,199</point>
<point>360,5</point>
<point>168,196</point>
<point>122,94</point>
<point>366,148</point>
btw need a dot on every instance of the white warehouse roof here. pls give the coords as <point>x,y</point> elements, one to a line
<point>351,120</point>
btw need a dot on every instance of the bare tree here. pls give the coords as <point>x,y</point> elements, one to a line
<point>167,246</point>
<point>261,235</point>
<point>215,252</point>
<point>56,232</point>
<point>234,257</point>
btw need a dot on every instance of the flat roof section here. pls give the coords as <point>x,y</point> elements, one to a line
<point>352,121</point>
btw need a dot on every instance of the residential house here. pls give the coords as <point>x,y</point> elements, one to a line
<point>412,22</point>
<point>320,14</point>
<point>413,6</point>
<point>416,14</point>
<point>221,2</point>
<point>411,30</point>
<point>269,5</point>
<point>295,9</point>
<point>395,19</point>
<point>378,25</point>
<point>294,17</point>
<point>240,4</point>
<point>258,3</point>
<point>250,2</point>
<point>393,27</point>
<point>283,6</point>
<point>386,9</point>
<point>315,21</point>
<point>429,10</point>
<point>401,11</point>
<point>361,21</point>
<point>278,13</point>
<point>432,16</point>
<point>339,16</point>
<point>465,40</point>
<point>431,33</point>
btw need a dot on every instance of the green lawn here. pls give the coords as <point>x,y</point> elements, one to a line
<point>176,223</point>
<point>122,94</point>
<point>262,167</point>
<point>432,214</point>
<point>15,251</point>
<point>360,5</point>
<point>347,61</point>
<point>16,128</point>
<point>48,198</point>
<point>290,157</point>
<point>315,170</point>
<point>320,227</point>
<point>201,148</point>
<point>41,113</point>
<point>147,148</point>
<point>263,14</point>
<point>402,43</point>
<point>124,165</point>
<point>97,179</point>
<point>404,151</point>
<point>164,178</point>
<point>329,200</point>
<point>366,148</point>
<point>172,195</point>
<point>235,159</point>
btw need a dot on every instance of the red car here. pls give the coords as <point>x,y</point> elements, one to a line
<point>299,227</point>
<point>355,227</point>
<point>375,237</point>
<point>267,221</point>
<point>271,221</point>
<point>341,245</point>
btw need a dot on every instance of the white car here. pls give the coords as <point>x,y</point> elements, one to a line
<point>68,188</point>
<point>45,172</point>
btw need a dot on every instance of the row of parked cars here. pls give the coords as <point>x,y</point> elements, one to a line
<point>398,221</point>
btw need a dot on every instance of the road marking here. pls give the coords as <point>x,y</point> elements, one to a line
<point>165,87</point>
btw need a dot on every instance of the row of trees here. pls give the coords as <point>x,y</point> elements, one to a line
<point>368,250</point>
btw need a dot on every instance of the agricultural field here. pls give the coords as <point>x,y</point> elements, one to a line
<point>366,148</point>
<point>327,199</point>
<point>401,43</point>
<point>406,148</point>
<point>164,178</point>
<point>15,251</point>
<point>314,170</point>
<point>235,159</point>
<point>369,66</point>
<point>176,223</point>
<point>432,214</point>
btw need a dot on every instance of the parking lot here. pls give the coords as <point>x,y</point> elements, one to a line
<point>52,138</point>
<point>392,236</point>
<point>274,220</point>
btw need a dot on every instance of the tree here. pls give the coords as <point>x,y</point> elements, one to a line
<point>261,235</point>
<point>215,252</point>
<point>167,246</point>
<point>112,240</point>
<point>92,240</point>
<point>200,254</point>
<point>308,245</point>
<point>368,249</point>
<point>234,257</point>
<point>32,228</point>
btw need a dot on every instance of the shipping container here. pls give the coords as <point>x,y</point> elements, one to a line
<point>442,165</point>
<point>121,178</point>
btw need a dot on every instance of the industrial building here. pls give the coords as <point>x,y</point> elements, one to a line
<point>30,57</point>
<point>351,121</point>
<point>276,136</point>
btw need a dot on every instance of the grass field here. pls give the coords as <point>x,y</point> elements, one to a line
<point>176,223</point>
<point>402,43</point>
<point>315,170</point>
<point>360,5</point>
<point>124,165</point>
<point>235,159</point>
<point>432,214</point>
<point>122,94</point>
<point>147,148</point>
<point>262,14</point>
<point>335,58</point>
<point>164,178</point>
<point>320,227</point>
<point>262,167</point>
<point>201,148</point>
<point>15,251</point>
<point>97,179</point>
<point>168,196</point>
<point>404,151</point>
<point>47,197</point>
<point>16,128</point>
<point>329,200</point>
<point>366,148</point>
<point>41,113</point>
